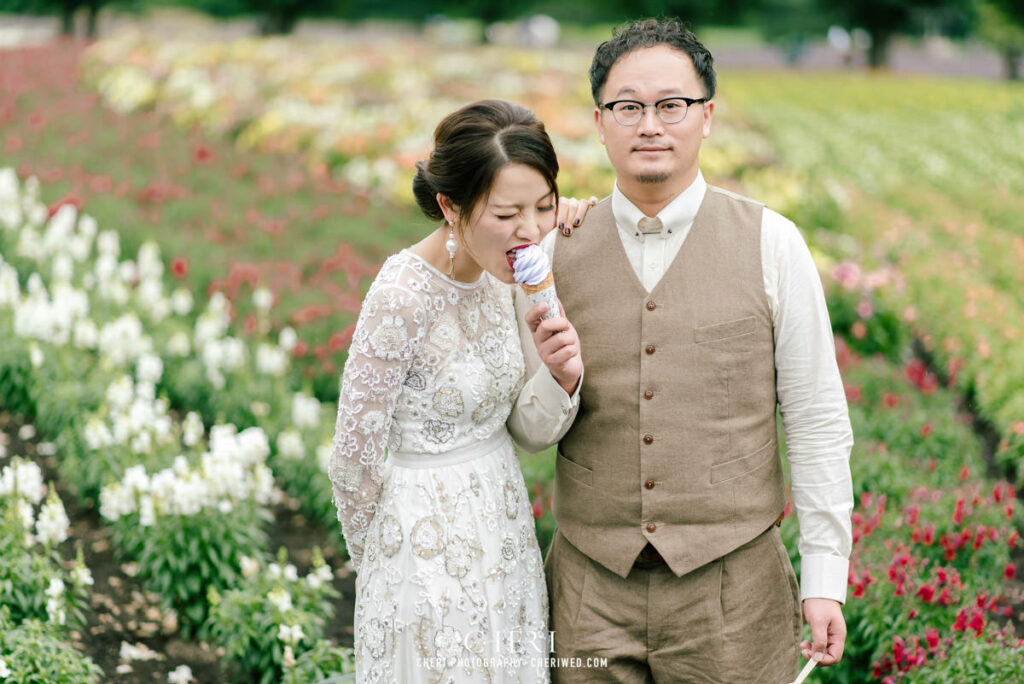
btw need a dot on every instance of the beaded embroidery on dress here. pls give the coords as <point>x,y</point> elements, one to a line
<point>428,487</point>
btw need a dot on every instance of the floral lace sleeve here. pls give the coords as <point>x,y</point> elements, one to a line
<point>388,336</point>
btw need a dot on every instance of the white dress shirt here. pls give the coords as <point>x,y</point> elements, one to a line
<point>810,392</point>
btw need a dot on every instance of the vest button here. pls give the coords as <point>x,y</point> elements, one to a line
<point>648,439</point>
<point>648,394</point>
<point>651,306</point>
<point>651,527</point>
<point>649,484</point>
<point>649,349</point>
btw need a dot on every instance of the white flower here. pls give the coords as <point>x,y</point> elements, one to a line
<point>250,566</point>
<point>55,588</point>
<point>280,599</point>
<point>26,432</point>
<point>36,355</point>
<point>271,360</point>
<point>108,243</point>
<point>290,634</point>
<point>286,340</point>
<point>289,657</point>
<point>149,368</point>
<point>82,576</point>
<point>192,429</point>
<point>290,573</point>
<point>263,299</point>
<point>5,671</point>
<point>179,345</point>
<point>52,525</point>
<point>323,457</point>
<point>180,675</point>
<point>305,411</point>
<point>274,571</point>
<point>181,301</point>
<point>289,445</point>
<point>24,478</point>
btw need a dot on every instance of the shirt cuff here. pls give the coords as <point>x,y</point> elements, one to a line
<point>824,576</point>
<point>552,397</point>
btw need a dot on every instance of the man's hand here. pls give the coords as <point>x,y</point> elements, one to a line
<point>828,631</point>
<point>558,346</point>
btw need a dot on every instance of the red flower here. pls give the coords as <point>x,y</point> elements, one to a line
<point>958,511</point>
<point>203,155</point>
<point>179,267</point>
<point>1009,572</point>
<point>300,349</point>
<point>926,593</point>
<point>852,393</point>
<point>890,400</point>
<point>858,590</point>
<point>960,624</point>
<point>977,623</point>
<point>926,429</point>
<point>931,637</point>
<point>945,598</point>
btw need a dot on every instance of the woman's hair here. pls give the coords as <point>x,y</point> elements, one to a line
<point>471,145</point>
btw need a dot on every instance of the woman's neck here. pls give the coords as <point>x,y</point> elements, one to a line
<point>432,249</point>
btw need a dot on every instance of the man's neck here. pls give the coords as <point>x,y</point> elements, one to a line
<point>651,198</point>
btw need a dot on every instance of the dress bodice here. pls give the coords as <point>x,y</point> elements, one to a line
<point>435,365</point>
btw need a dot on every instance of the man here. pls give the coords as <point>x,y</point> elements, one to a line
<point>698,312</point>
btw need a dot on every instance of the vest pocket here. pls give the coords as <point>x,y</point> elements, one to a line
<point>713,335</point>
<point>729,470</point>
<point>573,470</point>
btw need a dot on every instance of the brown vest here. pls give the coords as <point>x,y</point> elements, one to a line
<point>675,441</point>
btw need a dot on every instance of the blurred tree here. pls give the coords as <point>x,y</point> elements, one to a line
<point>1001,23</point>
<point>67,11</point>
<point>883,19</point>
<point>791,23</point>
<point>275,16</point>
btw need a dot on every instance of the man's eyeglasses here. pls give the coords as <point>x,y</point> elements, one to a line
<point>670,110</point>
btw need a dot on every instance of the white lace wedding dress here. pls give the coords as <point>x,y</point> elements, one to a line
<point>428,487</point>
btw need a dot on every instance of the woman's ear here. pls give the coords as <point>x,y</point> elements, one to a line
<point>447,208</point>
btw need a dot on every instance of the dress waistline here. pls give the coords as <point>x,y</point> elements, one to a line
<point>423,459</point>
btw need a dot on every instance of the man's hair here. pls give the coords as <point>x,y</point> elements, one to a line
<point>645,33</point>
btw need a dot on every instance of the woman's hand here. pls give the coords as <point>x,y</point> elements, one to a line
<point>558,346</point>
<point>571,212</point>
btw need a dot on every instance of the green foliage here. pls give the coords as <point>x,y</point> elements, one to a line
<point>324,660</point>
<point>182,557</point>
<point>989,659</point>
<point>37,653</point>
<point>270,616</point>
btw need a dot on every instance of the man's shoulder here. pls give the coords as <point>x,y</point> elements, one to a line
<point>729,194</point>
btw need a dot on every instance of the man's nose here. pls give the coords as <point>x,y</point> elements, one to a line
<point>649,122</point>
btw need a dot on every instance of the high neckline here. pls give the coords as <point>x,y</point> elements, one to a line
<point>482,280</point>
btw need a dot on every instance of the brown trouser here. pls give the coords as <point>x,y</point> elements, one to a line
<point>736,619</point>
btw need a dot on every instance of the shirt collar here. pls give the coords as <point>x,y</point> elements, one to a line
<point>677,214</point>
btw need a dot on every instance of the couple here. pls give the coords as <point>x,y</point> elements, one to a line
<point>697,311</point>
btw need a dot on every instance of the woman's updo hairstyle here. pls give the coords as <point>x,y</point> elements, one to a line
<point>471,145</point>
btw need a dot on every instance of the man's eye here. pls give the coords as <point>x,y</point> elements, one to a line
<point>628,108</point>
<point>670,105</point>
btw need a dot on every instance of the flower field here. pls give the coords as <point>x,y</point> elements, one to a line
<point>186,231</point>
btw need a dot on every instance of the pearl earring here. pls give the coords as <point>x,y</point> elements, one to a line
<point>451,245</point>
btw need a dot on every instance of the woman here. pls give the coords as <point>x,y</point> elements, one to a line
<point>450,584</point>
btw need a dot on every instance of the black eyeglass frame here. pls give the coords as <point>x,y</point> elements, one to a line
<point>690,101</point>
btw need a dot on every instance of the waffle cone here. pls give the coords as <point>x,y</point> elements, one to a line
<point>549,281</point>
